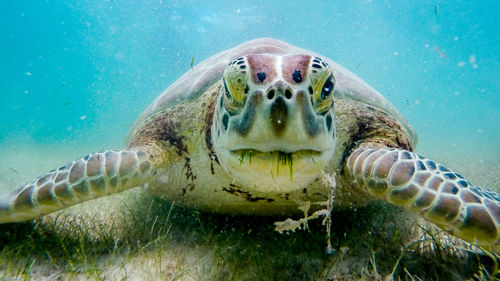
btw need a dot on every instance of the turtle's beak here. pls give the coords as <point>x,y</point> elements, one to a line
<point>279,116</point>
<point>277,94</point>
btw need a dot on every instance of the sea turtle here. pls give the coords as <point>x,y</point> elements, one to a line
<point>251,130</point>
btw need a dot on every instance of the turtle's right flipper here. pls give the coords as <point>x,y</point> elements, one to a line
<point>95,175</point>
<point>430,190</point>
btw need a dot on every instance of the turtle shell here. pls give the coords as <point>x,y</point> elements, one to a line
<point>193,83</point>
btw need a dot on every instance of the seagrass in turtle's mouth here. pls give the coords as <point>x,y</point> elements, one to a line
<point>276,170</point>
<point>246,155</point>
<point>280,158</point>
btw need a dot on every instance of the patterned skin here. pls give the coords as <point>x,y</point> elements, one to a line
<point>432,191</point>
<point>253,136</point>
<point>95,175</point>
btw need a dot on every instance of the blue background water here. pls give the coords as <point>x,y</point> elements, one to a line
<point>77,73</point>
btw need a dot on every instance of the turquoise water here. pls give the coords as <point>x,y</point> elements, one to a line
<point>76,74</point>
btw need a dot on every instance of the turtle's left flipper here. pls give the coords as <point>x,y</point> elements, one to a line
<point>430,190</point>
<point>95,175</point>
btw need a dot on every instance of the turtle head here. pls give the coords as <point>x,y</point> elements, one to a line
<point>274,122</point>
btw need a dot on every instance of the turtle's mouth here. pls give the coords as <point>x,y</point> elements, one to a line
<point>285,158</point>
<point>274,170</point>
<point>272,160</point>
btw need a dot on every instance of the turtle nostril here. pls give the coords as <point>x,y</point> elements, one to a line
<point>288,94</point>
<point>270,94</point>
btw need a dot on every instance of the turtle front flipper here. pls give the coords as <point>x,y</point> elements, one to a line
<point>95,175</point>
<point>430,190</point>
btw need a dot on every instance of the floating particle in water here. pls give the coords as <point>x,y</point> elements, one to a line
<point>439,51</point>
<point>417,102</point>
<point>28,73</point>
<point>83,117</point>
<point>472,59</point>
<point>461,63</point>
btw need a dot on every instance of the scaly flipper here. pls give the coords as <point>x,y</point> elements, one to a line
<point>95,175</point>
<point>430,190</point>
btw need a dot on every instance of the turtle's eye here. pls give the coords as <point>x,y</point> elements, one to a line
<point>322,86</point>
<point>328,87</point>
<point>230,102</point>
<point>235,87</point>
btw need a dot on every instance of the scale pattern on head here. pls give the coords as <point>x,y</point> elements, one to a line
<point>292,93</point>
<point>276,103</point>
